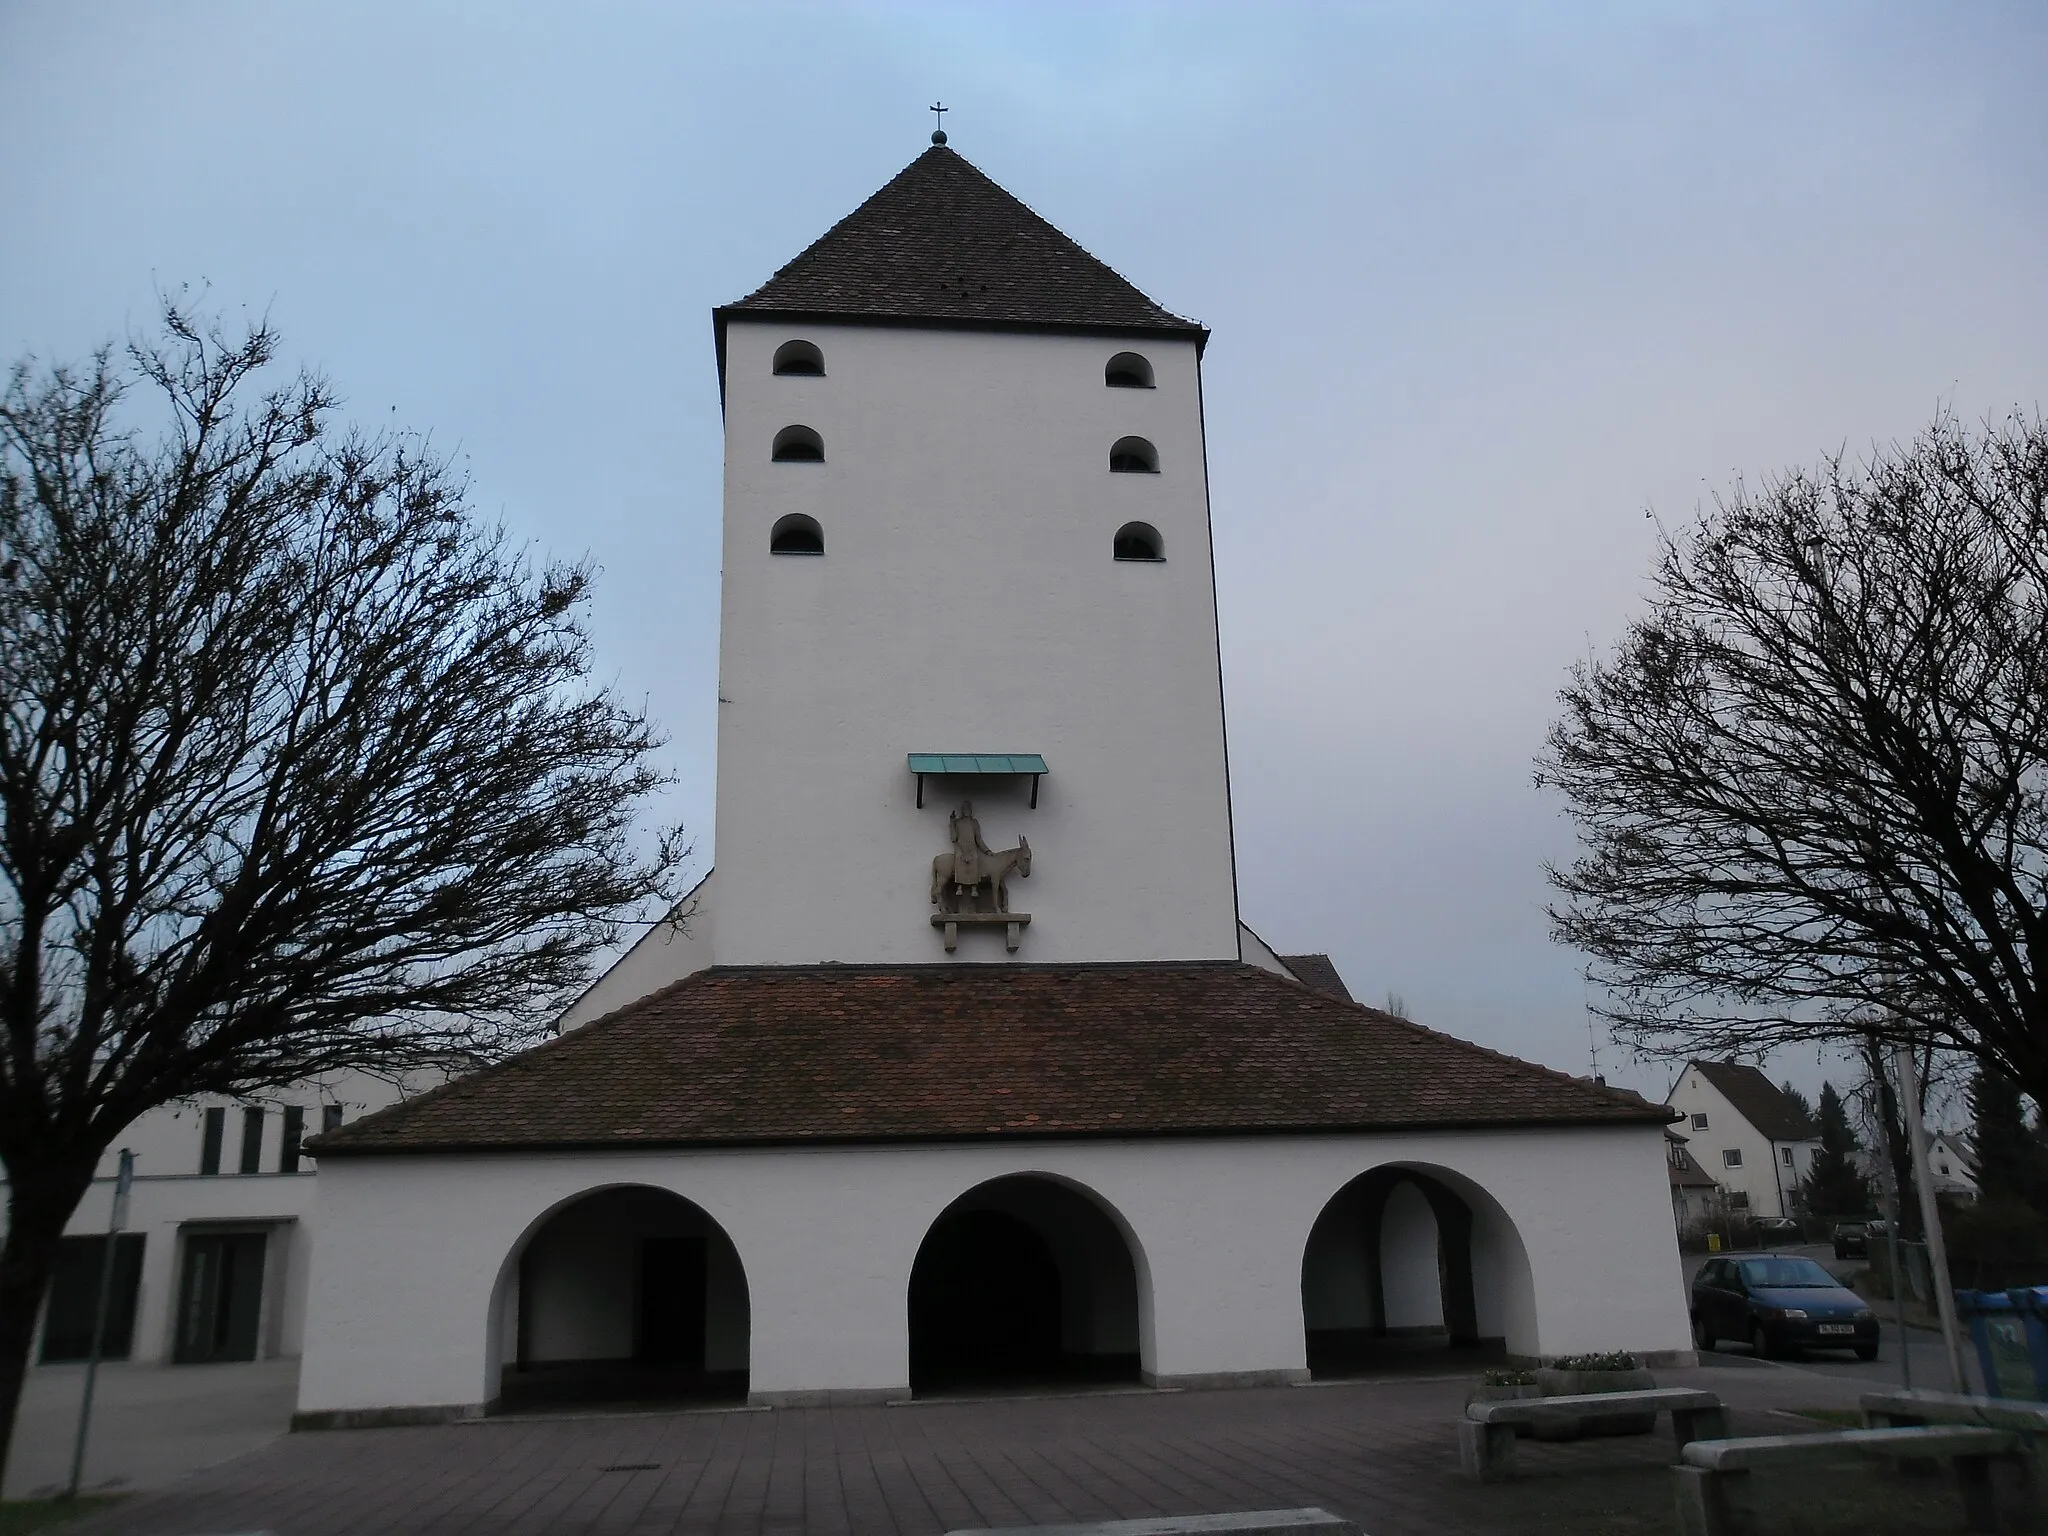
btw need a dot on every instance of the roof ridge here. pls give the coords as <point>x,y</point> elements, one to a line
<point>950,225</point>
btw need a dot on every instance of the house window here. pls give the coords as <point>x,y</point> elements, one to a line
<point>1785,1155</point>
<point>1738,1199</point>
<point>796,534</point>
<point>1127,370</point>
<point>1133,456</point>
<point>252,1139</point>
<point>294,1133</point>
<point>1138,541</point>
<point>330,1118</point>
<point>216,1121</point>
<point>1699,1122</point>
<point>1732,1158</point>
<point>801,358</point>
<point>798,445</point>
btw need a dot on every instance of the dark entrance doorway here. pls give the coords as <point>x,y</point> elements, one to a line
<point>671,1330</point>
<point>1388,1280</point>
<point>629,1295</point>
<point>220,1297</point>
<point>1022,1283</point>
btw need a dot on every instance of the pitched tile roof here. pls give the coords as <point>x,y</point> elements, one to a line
<point>1687,1174</point>
<point>1758,1100</point>
<point>842,1053</point>
<point>943,243</point>
<point>1317,972</point>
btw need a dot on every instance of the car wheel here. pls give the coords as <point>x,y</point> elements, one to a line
<point>1866,1351</point>
<point>1760,1342</point>
<point>1702,1336</point>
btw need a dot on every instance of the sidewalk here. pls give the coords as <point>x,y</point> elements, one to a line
<point>1383,1453</point>
<point>150,1425</point>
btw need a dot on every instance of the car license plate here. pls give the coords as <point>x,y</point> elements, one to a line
<point>1837,1327</point>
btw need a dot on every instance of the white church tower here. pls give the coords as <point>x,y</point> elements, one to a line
<point>926,1097</point>
<point>966,527</point>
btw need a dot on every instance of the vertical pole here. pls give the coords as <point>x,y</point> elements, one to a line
<point>1892,1212</point>
<point>1930,1217</point>
<point>115,1221</point>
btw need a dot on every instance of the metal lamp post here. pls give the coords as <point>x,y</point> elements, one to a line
<point>115,1223</point>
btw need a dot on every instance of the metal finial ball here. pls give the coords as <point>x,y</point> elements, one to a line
<point>938,135</point>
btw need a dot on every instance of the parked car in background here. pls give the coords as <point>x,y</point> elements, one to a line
<point>1778,1303</point>
<point>1852,1240</point>
<point>1779,1229</point>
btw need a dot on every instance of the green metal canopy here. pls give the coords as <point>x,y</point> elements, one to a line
<point>1008,763</point>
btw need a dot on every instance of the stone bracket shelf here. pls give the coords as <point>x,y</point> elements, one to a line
<point>1013,924</point>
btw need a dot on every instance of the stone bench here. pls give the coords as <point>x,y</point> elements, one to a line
<point>1714,1497</point>
<point>1900,1406</point>
<point>1486,1438</point>
<point>1255,1522</point>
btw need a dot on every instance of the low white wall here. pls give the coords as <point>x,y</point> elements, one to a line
<point>402,1310</point>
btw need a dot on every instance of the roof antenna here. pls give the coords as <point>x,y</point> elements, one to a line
<point>937,110</point>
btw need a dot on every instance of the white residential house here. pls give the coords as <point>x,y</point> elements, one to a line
<point>1743,1131</point>
<point>1953,1163</point>
<point>1695,1193</point>
<point>1950,1158</point>
<point>212,1263</point>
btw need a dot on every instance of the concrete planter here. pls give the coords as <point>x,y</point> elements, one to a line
<point>1489,1394</point>
<point>1554,1383</point>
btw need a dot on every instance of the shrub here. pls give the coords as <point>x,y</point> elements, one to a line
<point>1613,1360</point>
<point>1508,1378</point>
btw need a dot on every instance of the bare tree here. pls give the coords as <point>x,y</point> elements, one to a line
<point>1811,785</point>
<point>300,768</point>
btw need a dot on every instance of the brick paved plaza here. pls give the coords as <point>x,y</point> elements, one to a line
<point>1382,1453</point>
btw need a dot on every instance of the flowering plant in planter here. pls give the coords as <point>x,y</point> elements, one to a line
<point>1581,1375</point>
<point>1506,1385</point>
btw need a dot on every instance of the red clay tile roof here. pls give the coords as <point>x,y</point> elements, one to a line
<point>943,243</point>
<point>840,1053</point>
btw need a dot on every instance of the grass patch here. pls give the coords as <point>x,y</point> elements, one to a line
<point>1841,1418</point>
<point>19,1517</point>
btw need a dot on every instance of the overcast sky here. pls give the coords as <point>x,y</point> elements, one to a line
<point>1487,283</point>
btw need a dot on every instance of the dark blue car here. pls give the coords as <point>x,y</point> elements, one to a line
<point>1778,1303</point>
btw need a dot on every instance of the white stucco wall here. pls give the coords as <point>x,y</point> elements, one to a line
<point>404,1311</point>
<point>667,952</point>
<point>1408,1261</point>
<point>967,601</point>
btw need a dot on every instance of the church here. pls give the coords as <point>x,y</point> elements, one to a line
<point>962,1071</point>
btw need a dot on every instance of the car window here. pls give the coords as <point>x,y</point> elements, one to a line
<point>1766,1274</point>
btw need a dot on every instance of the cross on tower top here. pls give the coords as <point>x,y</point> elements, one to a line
<point>938,109</point>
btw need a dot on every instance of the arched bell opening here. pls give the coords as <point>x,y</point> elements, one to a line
<point>798,445</point>
<point>801,359</point>
<point>1023,1283</point>
<point>625,1295</point>
<point>1411,1266</point>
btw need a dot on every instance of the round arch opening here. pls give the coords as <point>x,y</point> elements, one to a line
<point>1414,1264</point>
<point>1127,370</point>
<point>1025,1282</point>
<point>801,359</point>
<point>795,533</point>
<point>1133,456</point>
<point>798,445</point>
<point>628,1294</point>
